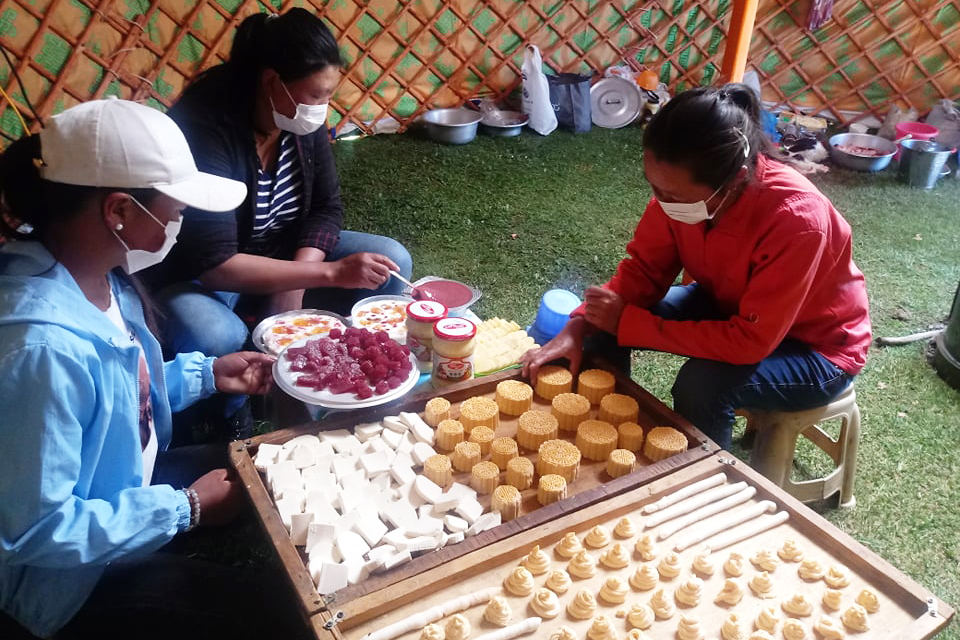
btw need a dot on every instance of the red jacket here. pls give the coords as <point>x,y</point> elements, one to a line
<point>778,262</point>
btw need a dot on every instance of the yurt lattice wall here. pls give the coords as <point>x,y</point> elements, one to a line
<point>405,57</point>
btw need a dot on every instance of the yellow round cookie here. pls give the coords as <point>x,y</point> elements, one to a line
<point>506,500</point>
<point>534,428</point>
<point>559,457</point>
<point>502,451</point>
<point>437,409</point>
<point>520,473</point>
<point>483,436</point>
<point>449,434</point>
<point>484,477</point>
<point>439,469</point>
<point>596,439</point>
<point>630,436</point>
<point>620,463</point>
<point>513,397</point>
<point>552,380</point>
<point>465,455</point>
<point>551,488</point>
<point>570,409</point>
<point>479,410</point>
<point>593,384</point>
<point>617,408</point>
<point>663,442</point>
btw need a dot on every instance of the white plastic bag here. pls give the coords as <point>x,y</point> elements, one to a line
<point>536,93</point>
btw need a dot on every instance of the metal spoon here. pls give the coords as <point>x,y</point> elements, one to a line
<point>415,293</point>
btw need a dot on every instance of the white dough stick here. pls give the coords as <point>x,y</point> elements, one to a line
<point>694,502</point>
<point>521,628</point>
<point>703,513</point>
<point>432,614</point>
<point>716,524</point>
<point>749,530</point>
<point>685,492</point>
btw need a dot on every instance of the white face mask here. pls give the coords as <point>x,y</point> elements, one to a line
<point>690,212</point>
<point>138,259</point>
<point>307,119</point>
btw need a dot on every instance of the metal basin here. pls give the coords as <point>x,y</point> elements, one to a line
<point>858,162</point>
<point>503,123</point>
<point>452,126</point>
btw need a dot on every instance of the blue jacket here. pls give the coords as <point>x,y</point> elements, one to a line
<point>71,466</point>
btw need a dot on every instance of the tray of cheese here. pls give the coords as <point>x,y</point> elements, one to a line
<point>726,555</point>
<point>348,504</point>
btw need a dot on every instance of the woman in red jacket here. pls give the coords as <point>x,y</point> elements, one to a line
<point>777,315</point>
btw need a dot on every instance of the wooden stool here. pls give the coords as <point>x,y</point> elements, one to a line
<point>776,440</point>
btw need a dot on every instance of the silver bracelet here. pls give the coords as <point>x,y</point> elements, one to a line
<point>194,501</point>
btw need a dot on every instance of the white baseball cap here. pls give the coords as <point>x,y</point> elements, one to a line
<point>125,145</point>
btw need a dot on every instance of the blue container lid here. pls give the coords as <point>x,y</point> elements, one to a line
<point>554,311</point>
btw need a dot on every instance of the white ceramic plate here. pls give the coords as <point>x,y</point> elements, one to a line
<point>286,379</point>
<point>388,316</point>
<point>262,338</point>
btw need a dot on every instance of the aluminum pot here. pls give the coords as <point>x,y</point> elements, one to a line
<point>452,126</point>
<point>503,123</point>
<point>862,163</point>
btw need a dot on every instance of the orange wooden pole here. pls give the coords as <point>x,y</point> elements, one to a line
<point>738,40</point>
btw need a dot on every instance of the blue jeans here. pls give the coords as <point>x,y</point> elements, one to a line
<point>707,392</point>
<point>198,319</point>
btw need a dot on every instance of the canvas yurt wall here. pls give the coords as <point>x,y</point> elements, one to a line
<point>410,55</point>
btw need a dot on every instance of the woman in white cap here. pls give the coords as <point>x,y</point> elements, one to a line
<point>87,490</point>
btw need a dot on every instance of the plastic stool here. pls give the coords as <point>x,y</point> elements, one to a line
<point>776,440</point>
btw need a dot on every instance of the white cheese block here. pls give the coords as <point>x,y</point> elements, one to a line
<point>403,458</point>
<point>285,470</point>
<point>347,520</point>
<point>266,454</point>
<point>294,494</point>
<point>356,478</point>
<point>454,524</point>
<point>308,438</point>
<point>420,429</point>
<point>427,489</point>
<point>399,514</point>
<point>344,466</point>
<point>286,486</point>
<point>407,493</point>
<point>321,466</point>
<point>333,435</point>
<point>319,482</point>
<point>422,543</point>
<point>422,451</point>
<point>299,523</point>
<point>469,509</point>
<point>350,444</point>
<point>486,521</point>
<point>318,532</point>
<point>394,423</point>
<point>462,491</point>
<point>396,538</point>
<point>350,545</point>
<point>321,551</point>
<point>455,537</point>
<point>322,510</point>
<point>425,526</point>
<point>377,444</point>
<point>364,432</point>
<point>396,560</point>
<point>350,497</point>
<point>392,438</point>
<point>402,473</point>
<point>374,463</point>
<point>446,502</point>
<point>332,577</point>
<point>286,508</point>
<point>302,456</point>
<point>371,529</point>
<point>381,552</point>
<point>383,481</point>
<point>406,443</point>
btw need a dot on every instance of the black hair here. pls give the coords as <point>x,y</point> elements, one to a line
<point>712,131</point>
<point>295,44</point>
<point>29,204</point>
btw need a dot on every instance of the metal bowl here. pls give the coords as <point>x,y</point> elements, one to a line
<point>503,123</point>
<point>452,126</point>
<point>862,163</point>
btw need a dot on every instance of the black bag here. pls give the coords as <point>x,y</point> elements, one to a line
<point>570,97</point>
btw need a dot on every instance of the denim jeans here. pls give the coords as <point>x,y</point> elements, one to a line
<point>707,392</point>
<point>198,319</point>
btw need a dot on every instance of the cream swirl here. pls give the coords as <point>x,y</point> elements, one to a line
<point>702,563</point>
<point>831,599</point>
<point>797,605</point>
<point>734,565</point>
<point>810,569</point>
<point>625,528</point>
<point>669,566</point>
<point>636,634</point>
<point>868,600</point>
<point>601,629</point>
<point>582,606</point>
<point>793,630</point>
<point>640,615</point>
<point>662,605</point>
<point>558,581</point>
<point>836,576</point>
<point>762,585</point>
<point>519,582</point>
<point>732,592</point>
<point>759,634</point>
<point>730,629</point>
<point>597,537</point>
<point>537,561</point>
<point>644,578</point>
<point>646,547</point>
<point>457,627</point>
<point>498,611</point>
<point>616,557</point>
<point>765,560</point>
<point>855,619</point>
<point>689,628</point>
<point>583,565</point>
<point>432,632</point>
<point>689,592</point>
<point>829,628</point>
<point>767,620</point>
<point>614,590</point>
<point>564,633</point>
<point>790,552</point>
<point>545,603</point>
<point>568,546</point>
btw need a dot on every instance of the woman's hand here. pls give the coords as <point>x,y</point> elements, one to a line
<point>603,309</point>
<point>567,344</point>
<point>363,271</point>
<point>243,372</point>
<point>220,497</point>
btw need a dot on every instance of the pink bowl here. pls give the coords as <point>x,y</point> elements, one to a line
<point>916,131</point>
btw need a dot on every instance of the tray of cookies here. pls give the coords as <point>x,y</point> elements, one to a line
<point>712,550</point>
<point>374,496</point>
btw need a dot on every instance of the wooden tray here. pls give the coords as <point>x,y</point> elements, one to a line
<point>592,484</point>
<point>907,611</point>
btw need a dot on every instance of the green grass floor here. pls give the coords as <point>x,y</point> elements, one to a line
<point>518,216</point>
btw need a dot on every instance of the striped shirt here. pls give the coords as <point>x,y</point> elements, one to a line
<point>278,195</point>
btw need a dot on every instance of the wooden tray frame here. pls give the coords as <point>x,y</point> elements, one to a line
<point>318,611</point>
<point>930,613</point>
